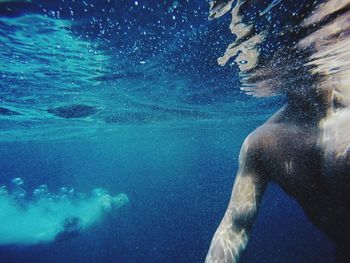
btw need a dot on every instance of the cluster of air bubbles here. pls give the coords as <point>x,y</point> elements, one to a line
<point>108,202</point>
<point>16,189</point>
<point>44,216</point>
<point>16,192</point>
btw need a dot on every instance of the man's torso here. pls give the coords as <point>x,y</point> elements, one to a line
<point>298,159</point>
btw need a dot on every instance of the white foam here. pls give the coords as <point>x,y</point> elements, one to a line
<point>41,219</point>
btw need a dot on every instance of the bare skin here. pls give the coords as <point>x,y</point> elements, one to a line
<point>307,158</point>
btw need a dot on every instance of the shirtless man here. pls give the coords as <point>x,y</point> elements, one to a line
<point>305,149</point>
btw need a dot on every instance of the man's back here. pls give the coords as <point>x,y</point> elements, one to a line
<point>296,159</point>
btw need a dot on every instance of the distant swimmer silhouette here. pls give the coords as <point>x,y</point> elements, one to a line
<point>305,146</point>
<point>71,227</point>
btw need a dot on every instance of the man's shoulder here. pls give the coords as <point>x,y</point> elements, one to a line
<point>264,135</point>
<point>257,142</point>
<point>271,135</point>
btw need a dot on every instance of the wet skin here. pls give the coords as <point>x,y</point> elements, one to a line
<point>291,150</point>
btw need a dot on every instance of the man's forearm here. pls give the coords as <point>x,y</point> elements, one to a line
<point>227,244</point>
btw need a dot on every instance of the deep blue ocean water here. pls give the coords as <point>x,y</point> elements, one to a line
<point>164,124</point>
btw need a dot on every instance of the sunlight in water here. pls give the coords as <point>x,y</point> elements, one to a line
<point>46,217</point>
<point>311,55</point>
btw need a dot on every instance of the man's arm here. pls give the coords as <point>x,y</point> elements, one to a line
<point>232,235</point>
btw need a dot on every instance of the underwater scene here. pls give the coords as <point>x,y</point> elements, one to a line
<point>175,131</point>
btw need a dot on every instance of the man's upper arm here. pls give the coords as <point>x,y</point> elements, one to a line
<point>232,235</point>
<point>249,185</point>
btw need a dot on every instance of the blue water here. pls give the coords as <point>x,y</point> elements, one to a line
<point>165,127</point>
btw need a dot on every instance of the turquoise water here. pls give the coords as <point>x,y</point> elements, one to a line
<point>126,97</point>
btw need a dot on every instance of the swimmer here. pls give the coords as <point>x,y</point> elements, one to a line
<point>304,148</point>
<point>74,225</point>
<point>71,227</point>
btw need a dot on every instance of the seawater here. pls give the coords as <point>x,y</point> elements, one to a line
<point>128,97</point>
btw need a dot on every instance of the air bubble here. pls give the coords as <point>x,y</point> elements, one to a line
<point>17,181</point>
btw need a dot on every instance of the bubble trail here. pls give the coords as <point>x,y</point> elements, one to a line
<point>44,217</point>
